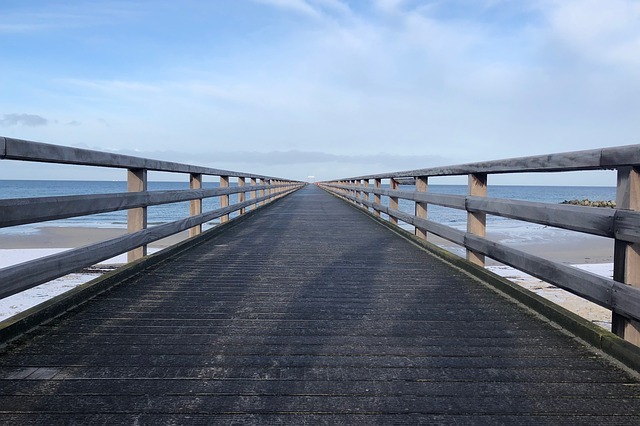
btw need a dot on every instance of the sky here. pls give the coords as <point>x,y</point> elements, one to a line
<point>329,88</point>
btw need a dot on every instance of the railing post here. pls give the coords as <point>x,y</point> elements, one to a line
<point>626,256</point>
<point>195,206</point>
<point>377,183</point>
<point>358,192</point>
<point>366,194</point>
<point>261,192</point>
<point>241,196</point>
<point>252,194</point>
<point>477,222</point>
<point>224,199</point>
<point>136,218</point>
<point>393,201</point>
<point>422,185</point>
<point>269,191</point>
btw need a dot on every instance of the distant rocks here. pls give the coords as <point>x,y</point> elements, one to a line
<point>589,203</point>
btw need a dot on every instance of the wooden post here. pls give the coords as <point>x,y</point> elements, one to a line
<point>137,218</point>
<point>269,191</point>
<point>377,183</point>
<point>422,185</point>
<point>241,196</point>
<point>261,192</point>
<point>477,222</point>
<point>224,199</point>
<point>626,256</point>
<point>366,194</point>
<point>358,192</point>
<point>393,201</point>
<point>195,207</point>
<point>252,194</point>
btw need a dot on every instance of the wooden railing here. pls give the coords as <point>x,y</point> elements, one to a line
<point>260,189</point>
<point>621,295</point>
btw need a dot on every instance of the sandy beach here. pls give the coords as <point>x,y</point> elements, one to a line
<point>586,252</point>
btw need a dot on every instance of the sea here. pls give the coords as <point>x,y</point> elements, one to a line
<point>169,212</point>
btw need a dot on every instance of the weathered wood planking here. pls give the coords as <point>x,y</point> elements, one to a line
<point>17,149</point>
<point>23,276</point>
<point>41,209</point>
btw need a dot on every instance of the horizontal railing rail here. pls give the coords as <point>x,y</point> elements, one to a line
<point>23,211</point>
<point>18,149</point>
<point>594,159</point>
<point>622,224</point>
<point>261,190</point>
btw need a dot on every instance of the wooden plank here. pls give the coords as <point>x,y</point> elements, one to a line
<point>615,157</point>
<point>590,220</point>
<point>23,276</point>
<point>627,226</point>
<point>195,206</point>
<point>477,221</point>
<point>224,199</point>
<point>17,149</point>
<point>422,185</point>
<point>137,218</point>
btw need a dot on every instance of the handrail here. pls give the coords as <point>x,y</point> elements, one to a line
<point>23,150</point>
<point>261,190</point>
<point>594,159</point>
<point>622,224</point>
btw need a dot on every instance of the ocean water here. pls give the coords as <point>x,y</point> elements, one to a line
<point>168,212</point>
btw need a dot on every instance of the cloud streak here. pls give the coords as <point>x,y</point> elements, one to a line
<point>29,120</point>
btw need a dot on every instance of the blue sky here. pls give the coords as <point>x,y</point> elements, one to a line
<point>320,87</point>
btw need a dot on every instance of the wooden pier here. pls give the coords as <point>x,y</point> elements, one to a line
<point>310,311</point>
<point>307,311</point>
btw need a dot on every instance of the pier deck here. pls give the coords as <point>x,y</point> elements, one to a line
<point>308,311</point>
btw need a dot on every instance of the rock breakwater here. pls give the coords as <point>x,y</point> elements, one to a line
<point>591,203</point>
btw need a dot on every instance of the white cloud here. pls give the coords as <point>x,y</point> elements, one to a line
<point>30,120</point>
<point>602,31</point>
